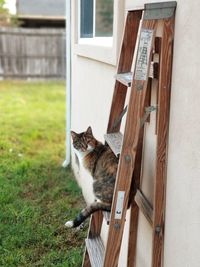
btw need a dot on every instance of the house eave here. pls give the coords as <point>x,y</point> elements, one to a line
<point>41,17</point>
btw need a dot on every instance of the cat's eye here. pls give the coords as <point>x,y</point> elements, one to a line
<point>75,144</point>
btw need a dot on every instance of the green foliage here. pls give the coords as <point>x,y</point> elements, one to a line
<point>3,10</point>
<point>36,194</point>
<point>6,19</point>
<point>2,3</point>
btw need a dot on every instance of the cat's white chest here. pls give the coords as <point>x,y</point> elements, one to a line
<point>81,154</point>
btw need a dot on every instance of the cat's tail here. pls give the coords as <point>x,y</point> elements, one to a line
<point>85,213</point>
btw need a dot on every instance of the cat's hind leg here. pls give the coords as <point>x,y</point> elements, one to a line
<point>85,213</point>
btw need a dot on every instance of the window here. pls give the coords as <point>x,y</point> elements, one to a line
<point>99,25</point>
<point>96,18</point>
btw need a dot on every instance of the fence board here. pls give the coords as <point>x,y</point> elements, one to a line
<point>32,53</point>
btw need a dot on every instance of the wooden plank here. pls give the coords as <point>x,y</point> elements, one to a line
<point>93,232</point>
<point>95,224</point>
<point>133,230</point>
<point>96,251</point>
<point>128,155</point>
<point>144,206</point>
<point>86,259</point>
<point>158,44</point>
<point>26,55</point>
<point>131,259</point>
<point>114,140</point>
<point>124,65</point>
<point>162,140</point>
<point>148,97</point>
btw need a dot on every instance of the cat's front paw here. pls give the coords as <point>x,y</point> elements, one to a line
<point>69,224</point>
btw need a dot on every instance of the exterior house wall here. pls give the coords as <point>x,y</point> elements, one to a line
<point>92,88</point>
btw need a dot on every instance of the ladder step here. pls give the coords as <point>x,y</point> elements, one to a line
<point>114,141</point>
<point>125,78</point>
<point>96,251</point>
<point>144,206</point>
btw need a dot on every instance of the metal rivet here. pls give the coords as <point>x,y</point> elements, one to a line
<point>117,226</point>
<point>139,87</point>
<point>158,229</point>
<point>127,158</point>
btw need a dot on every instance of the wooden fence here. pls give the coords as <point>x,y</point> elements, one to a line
<point>32,53</point>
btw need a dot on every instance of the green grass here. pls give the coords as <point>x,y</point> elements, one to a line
<point>37,195</point>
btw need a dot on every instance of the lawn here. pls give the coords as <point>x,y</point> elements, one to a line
<point>37,195</point>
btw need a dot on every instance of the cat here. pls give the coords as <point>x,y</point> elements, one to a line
<point>102,164</point>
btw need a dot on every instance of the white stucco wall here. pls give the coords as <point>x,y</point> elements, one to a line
<point>90,103</point>
<point>92,88</point>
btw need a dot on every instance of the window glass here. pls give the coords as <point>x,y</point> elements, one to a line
<point>104,18</point>
<point>86,19</point>
<point>96,18</point>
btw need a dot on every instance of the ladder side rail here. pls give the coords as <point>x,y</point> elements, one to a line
<point>86,259</point>
<point>162,141</point>
<point>119,96</point>
<point>93,231</point>
<point>136,182</point>
<point>124,65</point>
<point>134,209</point>
<point>127,161</point>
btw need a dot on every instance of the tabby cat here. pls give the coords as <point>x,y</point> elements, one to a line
<point>102,164</point>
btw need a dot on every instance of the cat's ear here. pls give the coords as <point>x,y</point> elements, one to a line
<point>89,130</point>
<point>73,135</point>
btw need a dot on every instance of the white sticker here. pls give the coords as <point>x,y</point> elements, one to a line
<point>144,50</point>
<point>119,205</point>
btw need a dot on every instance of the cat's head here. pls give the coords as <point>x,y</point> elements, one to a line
<point>84,141</point>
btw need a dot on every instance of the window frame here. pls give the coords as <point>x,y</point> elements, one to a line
<point>91,23</point>
<point>104,49</point>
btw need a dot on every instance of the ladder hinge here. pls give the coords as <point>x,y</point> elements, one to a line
<point>162,10</point>
<point>148,110</point>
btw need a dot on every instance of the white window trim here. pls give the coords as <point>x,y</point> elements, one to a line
<point>94,16</point>
<point>104,49</point>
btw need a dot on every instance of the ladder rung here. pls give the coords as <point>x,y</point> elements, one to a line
<point>96,251</point>
<point>144,206</point>
<point>106,216</point>
<point>114,140</point>
<point>125,78</point>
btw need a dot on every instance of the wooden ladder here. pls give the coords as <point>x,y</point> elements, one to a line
<point>149,35</point>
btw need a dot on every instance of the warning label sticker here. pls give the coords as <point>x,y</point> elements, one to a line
<point>144,50</point>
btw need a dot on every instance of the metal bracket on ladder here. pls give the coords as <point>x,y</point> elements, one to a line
<point>159,10</point>
<point>148,111</point>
